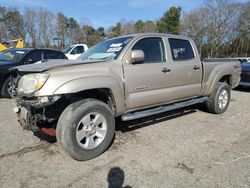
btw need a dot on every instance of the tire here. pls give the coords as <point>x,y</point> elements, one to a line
<point>220,98</point>
<point>78,126</point>
<point>4,90</point>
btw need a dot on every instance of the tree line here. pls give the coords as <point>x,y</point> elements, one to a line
<point>220,28</point>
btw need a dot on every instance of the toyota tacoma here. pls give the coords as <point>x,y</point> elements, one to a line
<point>129,77</point>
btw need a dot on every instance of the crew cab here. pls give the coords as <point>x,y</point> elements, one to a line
<point>129,77</point>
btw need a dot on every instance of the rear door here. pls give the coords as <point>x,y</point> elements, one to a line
<point>186,68</point>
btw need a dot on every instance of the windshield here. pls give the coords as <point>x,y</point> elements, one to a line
<point>11,56</point>
<point>67,50</point>
<point>106,50</point>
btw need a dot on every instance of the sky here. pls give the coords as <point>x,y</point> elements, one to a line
<point>108,12</point>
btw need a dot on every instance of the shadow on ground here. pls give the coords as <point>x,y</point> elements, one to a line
<point>116,178</point>
<point>242,89</point>
<point>150,120</point>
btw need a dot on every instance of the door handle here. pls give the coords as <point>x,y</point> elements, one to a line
<point>196,67</point>
<point>165,70</point>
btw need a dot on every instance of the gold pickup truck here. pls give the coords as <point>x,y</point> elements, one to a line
<point>129,77</point>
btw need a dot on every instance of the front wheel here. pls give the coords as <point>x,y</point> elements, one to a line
<point>86,129</point>
<point>5,87</point>
<point>220,98</point>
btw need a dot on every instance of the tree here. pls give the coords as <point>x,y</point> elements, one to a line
<point>14,24</point>
<point>127,28</point>
<point>219,28</point>
<point>3,28</point>
<point>30,22</point>
<point>170,21</point>
<point>46,24</point>
<point>139,26</point>
<point>115,31</point>
<point>61,27</point>
<point>73,28</point>
<point>149,27</point>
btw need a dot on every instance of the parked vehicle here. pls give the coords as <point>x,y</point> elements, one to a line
<point>74,51</point>
<point>245,74</point>
<point>16,57</point>
<point>129,77</point>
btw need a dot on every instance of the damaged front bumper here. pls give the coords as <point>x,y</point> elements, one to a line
<point>35,112</point>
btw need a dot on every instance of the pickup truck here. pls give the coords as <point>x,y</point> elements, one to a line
<point>74,51</point>
<point>129,77</point>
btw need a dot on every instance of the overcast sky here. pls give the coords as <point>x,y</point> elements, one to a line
<point>108,12</point>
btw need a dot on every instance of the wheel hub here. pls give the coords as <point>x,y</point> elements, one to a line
<point>91,130</point>
<point>223,99</point>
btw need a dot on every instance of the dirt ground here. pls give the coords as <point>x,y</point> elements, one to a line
<point>180,149</point>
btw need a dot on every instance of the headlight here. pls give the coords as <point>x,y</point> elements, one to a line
<point>31,82</point>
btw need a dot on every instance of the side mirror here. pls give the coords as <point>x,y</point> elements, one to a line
<point>137,56</point>
<point>73,52</point>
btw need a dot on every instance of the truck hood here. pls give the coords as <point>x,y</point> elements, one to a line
<point>50,64</point>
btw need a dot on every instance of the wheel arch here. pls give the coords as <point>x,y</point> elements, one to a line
<point>102,94</point>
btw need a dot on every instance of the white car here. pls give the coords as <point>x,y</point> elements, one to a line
<point>74,51</point>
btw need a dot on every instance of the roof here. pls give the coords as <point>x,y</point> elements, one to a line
<point>29,49</point>
<point>153,35</point>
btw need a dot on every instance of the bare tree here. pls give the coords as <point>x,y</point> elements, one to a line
<point>14,23</point>
<point>61,27</point>
<point>30,23</point>
<point>46,24</point>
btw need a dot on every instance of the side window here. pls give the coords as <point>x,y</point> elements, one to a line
<point>34,57</point>
<point>78,50</point>
<point>60,55</point>
<point>181,49</point>
<point>53,55</point>
<point>50,55</point>
<point>153,49</point>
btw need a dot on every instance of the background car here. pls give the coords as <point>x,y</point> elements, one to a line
<point>74,51</point>
<point>16,57</point>
<point>245,72</point>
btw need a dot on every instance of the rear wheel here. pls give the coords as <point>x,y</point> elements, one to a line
<point>220,98</point>
<point>5,87</point>
<point>85,129</point>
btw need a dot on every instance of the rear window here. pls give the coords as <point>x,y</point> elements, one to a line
<point>181,49</point>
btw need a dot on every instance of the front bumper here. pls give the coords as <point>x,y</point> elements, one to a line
<point>34,113</point>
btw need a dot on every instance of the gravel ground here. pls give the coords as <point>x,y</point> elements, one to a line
<point>181,149</point>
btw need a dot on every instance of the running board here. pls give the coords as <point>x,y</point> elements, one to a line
<point>161,109</point>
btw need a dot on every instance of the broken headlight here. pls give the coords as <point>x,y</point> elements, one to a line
<point>30,83</point>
